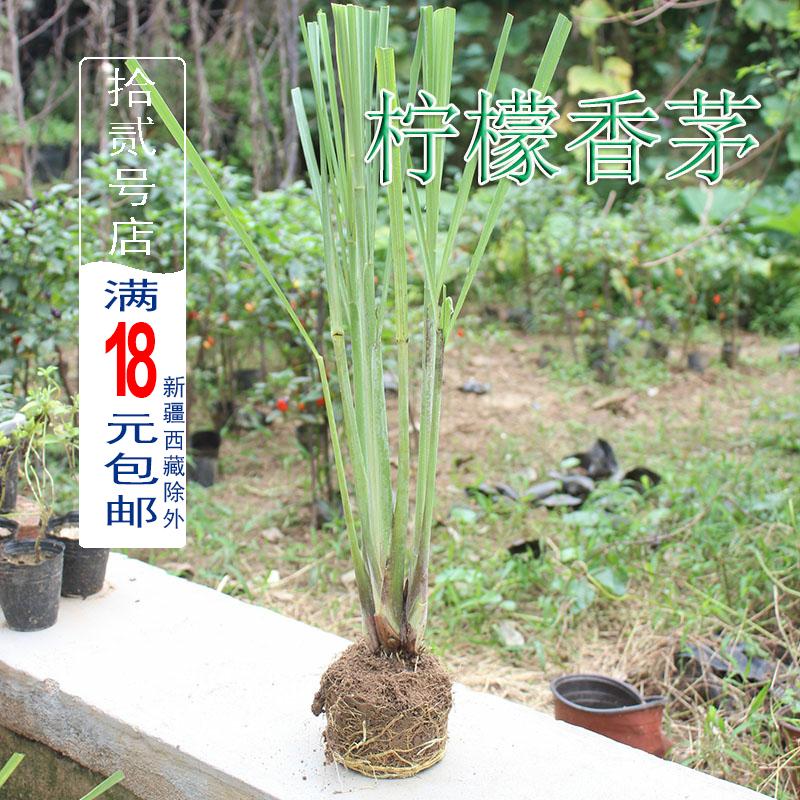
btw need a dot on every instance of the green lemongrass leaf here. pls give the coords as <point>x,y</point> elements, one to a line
<point>347,194</point>
<point>436,41</point>
<point>10,766</point>
<point>317,42</point>
<point>465,184</point>
<point>541,83</point>
<point>437,75</point>
<point>552,54</point>
<point>477,255</point>
<point>111,780</point>
<point>337,313</point>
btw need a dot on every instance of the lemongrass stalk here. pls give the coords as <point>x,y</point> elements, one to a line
<point>417,596</point>
<point>416,602</point>
<point>366,429</point>
<point>332,161</point>
<point>436,75</point>
<point>394,580</point>
<point>438,36</point>
<point>357,34</point>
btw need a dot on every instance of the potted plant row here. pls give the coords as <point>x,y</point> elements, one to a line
<point>386,698</point>
<point>40,557</point>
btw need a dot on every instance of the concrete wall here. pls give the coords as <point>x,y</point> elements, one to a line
<point>198,696</point>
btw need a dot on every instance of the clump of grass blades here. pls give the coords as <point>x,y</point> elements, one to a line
<point>391,563</point>
<point>394,570</point>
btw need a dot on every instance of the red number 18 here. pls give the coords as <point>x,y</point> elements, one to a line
<point>126,376</point>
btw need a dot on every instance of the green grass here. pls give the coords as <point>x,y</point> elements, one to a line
<point>621,583</point>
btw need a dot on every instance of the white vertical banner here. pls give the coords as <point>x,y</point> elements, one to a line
<point>133,407</point>
<point>132,308</point>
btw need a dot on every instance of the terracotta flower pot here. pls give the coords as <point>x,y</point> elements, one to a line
<point>790,730</point>
<point>613,709</point>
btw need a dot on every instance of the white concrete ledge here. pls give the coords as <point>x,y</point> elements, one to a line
<point>198,696</point>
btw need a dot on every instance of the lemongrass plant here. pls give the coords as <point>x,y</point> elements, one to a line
<point>390,561</point>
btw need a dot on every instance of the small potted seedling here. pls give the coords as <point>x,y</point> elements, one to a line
<point>387,698</point>
<point>10,421</point>
<point>31,566</point>
<point>205,443</point>
<point>84,567</point>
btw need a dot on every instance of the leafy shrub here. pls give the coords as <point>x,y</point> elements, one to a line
<point>38,282</point>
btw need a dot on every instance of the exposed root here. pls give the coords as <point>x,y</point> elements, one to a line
<point>386,715</point>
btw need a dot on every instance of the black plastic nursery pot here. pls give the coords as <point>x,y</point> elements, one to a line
<point>204,450</point>
<point>308,435</point>
<point>246,378</point>
<point>30,588</point>
<point>730,354</point>
<point>84,567</point>
<point>8,479</point>
<point>695,361</point>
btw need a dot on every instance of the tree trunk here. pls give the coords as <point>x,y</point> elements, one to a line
<point>287,12</point>
<point>264,138</point>
<point>203,94</point>
<point>12,100</point>
<point>132,33</point>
